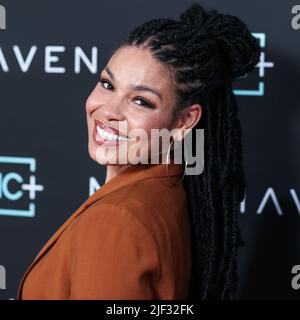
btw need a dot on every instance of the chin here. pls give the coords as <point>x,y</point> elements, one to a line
<point>92,152</point>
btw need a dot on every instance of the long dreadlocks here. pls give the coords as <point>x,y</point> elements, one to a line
<point>205,51</point>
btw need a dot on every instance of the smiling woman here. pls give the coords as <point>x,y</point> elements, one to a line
<point>147,233</point>
<point>134,95</point>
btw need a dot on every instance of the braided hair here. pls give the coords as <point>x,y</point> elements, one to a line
<point>204,52</point>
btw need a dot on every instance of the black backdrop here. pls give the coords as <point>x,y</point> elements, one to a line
<point>43,133</point>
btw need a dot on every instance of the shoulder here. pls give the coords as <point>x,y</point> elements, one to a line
<point>113,226</point>
<point>151,206</point>
<point>149,197</point>
<point>152,202</point>
<point>136,228</point>
<point>149,210</point>
<point>113,255</point>
<point>105,217</point>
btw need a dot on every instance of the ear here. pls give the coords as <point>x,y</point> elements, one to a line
<point>187,120</point>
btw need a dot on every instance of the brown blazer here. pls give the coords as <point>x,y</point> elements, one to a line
<point>129,240</point>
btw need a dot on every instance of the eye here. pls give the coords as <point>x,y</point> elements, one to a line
<point>103,81</point>
<point>146,103</point>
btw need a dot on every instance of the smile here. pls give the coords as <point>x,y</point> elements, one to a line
<point>109,136</point>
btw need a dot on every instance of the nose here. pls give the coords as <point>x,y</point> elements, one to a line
<point>113,110</point>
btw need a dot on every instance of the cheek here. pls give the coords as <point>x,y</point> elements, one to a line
<point>91,104</point>
<point>94,101</point>
<point>153,120</point>
<point>146,123</point>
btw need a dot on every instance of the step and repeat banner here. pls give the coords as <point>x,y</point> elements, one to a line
<point>51,53</point>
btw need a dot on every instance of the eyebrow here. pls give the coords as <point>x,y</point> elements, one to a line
<point>136,87</point>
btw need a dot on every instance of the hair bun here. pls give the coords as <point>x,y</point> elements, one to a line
<point>238,48</point>
<point>195,16</point>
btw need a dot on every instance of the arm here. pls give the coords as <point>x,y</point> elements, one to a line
<point>114,256</point>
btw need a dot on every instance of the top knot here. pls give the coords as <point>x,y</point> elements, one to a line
<point>194,17</point>
<point>238,48</point>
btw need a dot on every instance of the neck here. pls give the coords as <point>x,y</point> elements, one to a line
<point>114,170</point>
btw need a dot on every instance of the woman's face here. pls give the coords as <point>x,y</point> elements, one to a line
<point>122,101</point>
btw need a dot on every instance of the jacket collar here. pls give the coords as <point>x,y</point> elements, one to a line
<point>134,173</point>
<point>128,176</point>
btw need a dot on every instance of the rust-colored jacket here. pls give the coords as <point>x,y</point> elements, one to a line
<point>128,240</point>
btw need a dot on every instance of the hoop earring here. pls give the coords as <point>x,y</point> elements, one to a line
<point>185,164</point>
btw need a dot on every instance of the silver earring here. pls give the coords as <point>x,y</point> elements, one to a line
<point>185,164</point>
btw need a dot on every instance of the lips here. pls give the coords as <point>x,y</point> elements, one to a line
<point>109,129</point>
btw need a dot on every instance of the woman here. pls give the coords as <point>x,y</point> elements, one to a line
<point>140,236</point>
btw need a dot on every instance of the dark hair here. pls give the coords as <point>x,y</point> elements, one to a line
<point>205,51</point>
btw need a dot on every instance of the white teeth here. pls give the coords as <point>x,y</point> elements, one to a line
<point>109,136</point>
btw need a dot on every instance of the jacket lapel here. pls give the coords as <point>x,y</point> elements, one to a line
<point>126,177</point>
